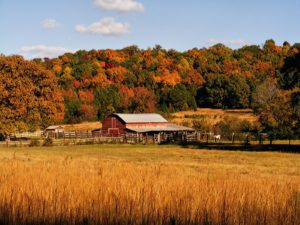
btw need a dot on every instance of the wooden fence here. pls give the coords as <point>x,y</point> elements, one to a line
<point>78,138</point>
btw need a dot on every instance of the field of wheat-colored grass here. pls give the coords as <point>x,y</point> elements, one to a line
<point>124,184</point>
<point>84,126</point>
<point>213,116</point>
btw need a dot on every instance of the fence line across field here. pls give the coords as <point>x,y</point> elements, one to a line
<point>89,137</point>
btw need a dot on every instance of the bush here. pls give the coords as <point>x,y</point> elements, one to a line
<point>48,142</point>
<point>186,123</point>
<point>202,124</point>
<point>89,142</point>
<point>66,143</point>
<point>195,116</point>
<point>34,143</point>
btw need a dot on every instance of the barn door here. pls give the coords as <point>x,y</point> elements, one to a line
<point>113,131</point>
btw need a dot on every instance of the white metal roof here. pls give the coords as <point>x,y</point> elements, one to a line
<point>167,127</point>
<point>141,118</point>
<point>53,127</point>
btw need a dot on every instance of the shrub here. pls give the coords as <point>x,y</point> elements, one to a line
<point>202,124</point>
<point>48,142</point>
<point>186,123</point>
<point>66,143</point>
<point>195,116</point>
<point>34,143</point>
<point>89,142</point>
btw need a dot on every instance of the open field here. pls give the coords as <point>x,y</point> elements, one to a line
<point>84,126</point>
<point>125,184</point>
<point>212,115</point>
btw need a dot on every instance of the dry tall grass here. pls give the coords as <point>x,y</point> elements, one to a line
<point>84,126</point>
<point>213,116</point>
<point>108,186</point>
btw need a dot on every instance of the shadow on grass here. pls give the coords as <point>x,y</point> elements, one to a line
<point>243,147</point>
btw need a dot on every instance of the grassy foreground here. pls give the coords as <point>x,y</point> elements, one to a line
<point>123,184</point>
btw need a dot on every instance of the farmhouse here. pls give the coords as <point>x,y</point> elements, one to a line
<point>53,131</point>
<point>146,127</point>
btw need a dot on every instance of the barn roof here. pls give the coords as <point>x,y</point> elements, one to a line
<point>167,127</point>
<point>53,127</point>
<point>141,118</point>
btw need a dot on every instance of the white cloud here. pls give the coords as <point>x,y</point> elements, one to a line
<point>41,51</point>
<point>238,42</point>
<point>120,5</point>
<point>106,26</point>
<point>235,43</point>
<point>231,43</point>
<point>50,24</point>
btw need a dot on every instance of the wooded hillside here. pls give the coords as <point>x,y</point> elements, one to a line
<point>97,82</point>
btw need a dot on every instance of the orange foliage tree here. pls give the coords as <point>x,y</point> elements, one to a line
<point>29,96</point>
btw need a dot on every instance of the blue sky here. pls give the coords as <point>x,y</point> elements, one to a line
<point>39,28</point>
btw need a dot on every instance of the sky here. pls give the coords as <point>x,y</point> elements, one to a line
<point>48,28</point>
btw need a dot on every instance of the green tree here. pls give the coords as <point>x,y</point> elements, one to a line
<point>178,98</point>
<point>215,92</point>
<point>290,72</point>
<point>238,92</point>
<point>73,113</point>
<point>106,101</point>
<point>221,91</point>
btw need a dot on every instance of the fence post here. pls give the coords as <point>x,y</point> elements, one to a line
<point>260,139</point>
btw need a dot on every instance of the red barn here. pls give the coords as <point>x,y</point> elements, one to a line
<point>119,123</point>
<point>143,125</point>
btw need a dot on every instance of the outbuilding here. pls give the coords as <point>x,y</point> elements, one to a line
<point>54,131</point>
<point>96,132</point>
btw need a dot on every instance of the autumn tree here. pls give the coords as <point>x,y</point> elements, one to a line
<point>87,110</point>
<point>30,98</point>
<point>143,101</point>
<point>274,109</point>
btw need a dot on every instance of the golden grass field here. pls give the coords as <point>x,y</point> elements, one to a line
<point>213,116</point>
<point>84,126</point>
<point>126,184</point>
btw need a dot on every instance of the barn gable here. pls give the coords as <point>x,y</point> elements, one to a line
<point>113,126</point>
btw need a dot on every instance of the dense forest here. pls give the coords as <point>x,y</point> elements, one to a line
<point>88,85</point>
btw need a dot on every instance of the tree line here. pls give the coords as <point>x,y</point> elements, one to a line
<point>87,85</point>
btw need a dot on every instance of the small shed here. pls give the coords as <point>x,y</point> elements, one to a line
<point>96,132</point>
<point>54,131</point>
